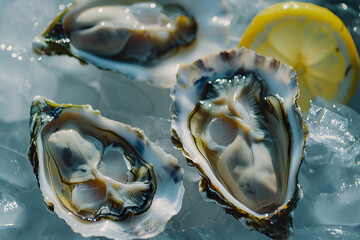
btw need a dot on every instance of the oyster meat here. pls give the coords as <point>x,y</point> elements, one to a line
<point>128,31</point>
<point>137,38</point>
<point>104,178</point>
<point>236,119</point>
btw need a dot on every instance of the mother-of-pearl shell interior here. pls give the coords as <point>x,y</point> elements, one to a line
<point>236,119</point>
<point>83,158</point>
<point>102,177</point>
<point>244,137</point>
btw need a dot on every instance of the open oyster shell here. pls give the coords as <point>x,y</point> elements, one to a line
<point>104,178</point>
<point>137,38</point>
<point>236,119</point>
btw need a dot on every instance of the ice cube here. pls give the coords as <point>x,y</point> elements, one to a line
<point>20,81</point>
<point>56,231</point>
<point>11,212</point>
<point>326,233</point>
<point>330,172</point>
<point>342,110</point>
<point>28,18</point>
<point>15,168</point>
<point>340,208</point>
<point>333,133</point>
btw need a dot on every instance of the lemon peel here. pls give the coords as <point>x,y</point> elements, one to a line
<point>315,42</point>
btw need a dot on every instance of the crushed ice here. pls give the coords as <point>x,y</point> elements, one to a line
<point>330,173</point>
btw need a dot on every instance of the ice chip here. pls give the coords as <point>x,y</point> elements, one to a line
<point>15,168</point>
<point>334,133</point>
<point>11,212</point>
<point>317,152</point>
<point>342,110</point>
<point>326,232</point>
<point>330,172</point>
<point>20,81</point>
<point>329,128</point>
<point>342,208</point>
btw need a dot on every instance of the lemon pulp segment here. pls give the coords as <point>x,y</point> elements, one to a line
<point>314,42</point>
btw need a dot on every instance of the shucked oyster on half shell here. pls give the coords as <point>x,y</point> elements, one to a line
<point>146,40</point>
<point>236,119</point>
<point>104,178</point>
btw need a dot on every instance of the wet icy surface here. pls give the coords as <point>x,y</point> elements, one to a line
<point>330,174</point>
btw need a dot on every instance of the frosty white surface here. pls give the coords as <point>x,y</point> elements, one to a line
<point>323,213</point>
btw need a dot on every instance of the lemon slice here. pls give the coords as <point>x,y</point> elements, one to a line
<point>314,42</point>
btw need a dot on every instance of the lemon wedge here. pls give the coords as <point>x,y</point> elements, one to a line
<point>314,42</point>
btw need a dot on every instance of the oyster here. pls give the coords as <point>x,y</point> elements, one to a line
<point>236,119</point>
<point>104,178</point>
<point>137,38</point>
